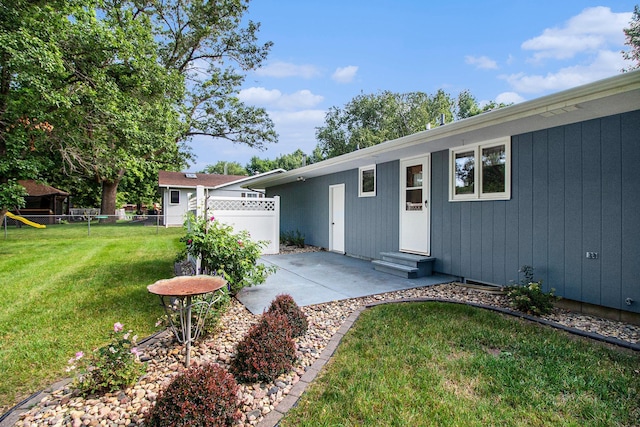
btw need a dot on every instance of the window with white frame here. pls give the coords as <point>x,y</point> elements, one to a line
<point>174,197</point>
<point>367,181</point>
<point>481,171</point>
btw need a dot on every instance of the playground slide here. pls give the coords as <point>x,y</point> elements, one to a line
<point>25,220</point>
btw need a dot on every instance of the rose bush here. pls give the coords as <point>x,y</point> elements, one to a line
<point>111,367</point>
<point>224,252</point>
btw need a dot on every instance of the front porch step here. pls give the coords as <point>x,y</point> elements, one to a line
<point>395,269</point>
<point>404,265</point>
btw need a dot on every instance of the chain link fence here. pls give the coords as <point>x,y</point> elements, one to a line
<point>81,217</point>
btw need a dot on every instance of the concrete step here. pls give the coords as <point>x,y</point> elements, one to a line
<point>423,263</point>
<point>395,269</point>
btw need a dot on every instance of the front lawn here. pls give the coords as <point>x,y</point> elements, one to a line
<point>439,364</point>
<point>61,291</point>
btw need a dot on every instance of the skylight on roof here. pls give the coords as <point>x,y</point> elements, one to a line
<point>190,175</point>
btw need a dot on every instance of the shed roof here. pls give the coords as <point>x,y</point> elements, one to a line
<point>191,180</point>
<point>214,181</point>
<point>35,189</point>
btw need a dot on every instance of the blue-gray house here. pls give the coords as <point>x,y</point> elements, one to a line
<point>553,183</point>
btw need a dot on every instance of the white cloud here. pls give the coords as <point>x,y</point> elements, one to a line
<point>509,98</point>
<point>482,62</point>
<point>605,64</point>
<point>593,29</point>
<point>296,130</point>
<point>345,74</point>
<point>259,96</point>
<point>281,69</point>
<point>275,99</point>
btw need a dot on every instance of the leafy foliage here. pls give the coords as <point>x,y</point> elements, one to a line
<point>292,238</point>
<point>266,351</point>
<point>285,304</point>
<point>287,162</point>
<point>528,296</point>
<point>225,168</point>
<point>111,367</point>
<point>202,396</point>
<point>231,255</point>
<point>632,35</point>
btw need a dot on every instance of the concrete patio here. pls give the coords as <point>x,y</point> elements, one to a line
<point>318,277</point>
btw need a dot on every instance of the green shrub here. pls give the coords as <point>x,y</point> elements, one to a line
<point>111,367</point>
<point>231,255</point>
<point>528,296</point>
<point>266,351</point>
<point>285,304</point>
<point>292,238</point>
<point>202,396</point>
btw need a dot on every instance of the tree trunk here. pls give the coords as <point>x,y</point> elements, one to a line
<point>108,202</point>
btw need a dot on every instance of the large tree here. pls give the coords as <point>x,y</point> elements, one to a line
<point>632,35</point>
<point>31,68</point>
<point>212,46</point>
<point>117,87</point>
<point>287,162</point>
<point>368,120</point>
<point>124,118</point>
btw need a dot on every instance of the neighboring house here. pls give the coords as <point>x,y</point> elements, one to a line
<point>553,183</point>
<point>178,187</point>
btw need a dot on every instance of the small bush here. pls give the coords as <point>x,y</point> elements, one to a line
<point>266,351</point>
<point>285,304</point>
<point>231,255</point>
<point>528,296</point>
<point>202,396</point>
<point>111,367</point>
<point>292,238</point>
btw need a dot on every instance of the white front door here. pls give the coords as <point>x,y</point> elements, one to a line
<point>336,218</point>
<point>414,205</point>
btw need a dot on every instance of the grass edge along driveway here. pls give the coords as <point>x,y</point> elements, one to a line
<point>447,364</point>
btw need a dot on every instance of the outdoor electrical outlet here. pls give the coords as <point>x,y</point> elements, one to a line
<point>592,255</point>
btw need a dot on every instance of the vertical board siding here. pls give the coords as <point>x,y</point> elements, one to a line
<point>575,189</point>
<point>371,223</point>
<point>610,259</point>
<point>630,136</point>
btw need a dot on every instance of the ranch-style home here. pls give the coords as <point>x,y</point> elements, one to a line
<point>553,183</point>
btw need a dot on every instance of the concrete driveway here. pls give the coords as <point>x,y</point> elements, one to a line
<point>317,277</point>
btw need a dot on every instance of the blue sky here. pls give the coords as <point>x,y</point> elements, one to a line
<point>327,52</point>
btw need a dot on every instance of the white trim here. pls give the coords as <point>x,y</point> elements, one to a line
<point>171,202</point>
<point>361,192</point>
<point>426,195</point>
<point>476,150</point>
<point>331,242</point>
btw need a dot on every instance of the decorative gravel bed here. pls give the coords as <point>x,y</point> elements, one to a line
<point>165,359</point>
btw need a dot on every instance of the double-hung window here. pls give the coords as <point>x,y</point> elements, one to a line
<point>481,171</point>
<point>367,181</point>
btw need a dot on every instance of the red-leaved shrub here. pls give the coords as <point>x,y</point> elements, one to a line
<point>285,304</point>
<point>202,396</point>
<point>266,351</point>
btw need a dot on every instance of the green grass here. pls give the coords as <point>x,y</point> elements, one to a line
<point>436,364</point>
<point>61,291</point>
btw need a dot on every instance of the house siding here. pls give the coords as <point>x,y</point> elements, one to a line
<point>574,190</point>
<point>371,223</point>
